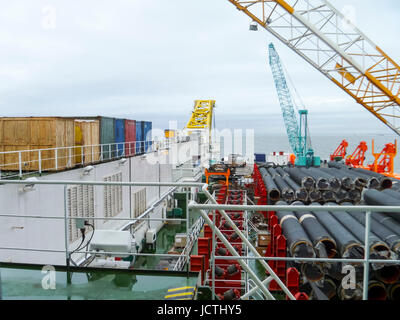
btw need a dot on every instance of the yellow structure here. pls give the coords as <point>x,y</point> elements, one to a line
<point>169,133</point>
<point>202,115</point>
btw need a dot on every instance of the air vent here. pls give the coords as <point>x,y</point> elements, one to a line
<point>139,202</point>
<point>80,204</point>
<point>112,196</point>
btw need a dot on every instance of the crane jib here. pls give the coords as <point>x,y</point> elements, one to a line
<point>324,37</point>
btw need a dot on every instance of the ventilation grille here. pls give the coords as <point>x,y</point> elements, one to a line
<point>80,204</point>
<point>139,202</point>
<point>112,196</point>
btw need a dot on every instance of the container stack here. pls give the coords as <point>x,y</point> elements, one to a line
<point>29,144</point>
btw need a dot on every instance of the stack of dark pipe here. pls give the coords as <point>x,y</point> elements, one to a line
<point>336,183</point>
<point>323,233</point>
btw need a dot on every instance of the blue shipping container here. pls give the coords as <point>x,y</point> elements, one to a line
<point>147,135</point>
<point>139,137</point>
<point>260,157</point>
<point>119,137</point>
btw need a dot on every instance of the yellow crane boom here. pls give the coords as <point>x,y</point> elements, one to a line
<point>322,36</point>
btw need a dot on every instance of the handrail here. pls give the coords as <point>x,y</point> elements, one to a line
<point>368,210</point>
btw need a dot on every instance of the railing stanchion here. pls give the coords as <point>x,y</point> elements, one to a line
<point>67,255</point>
<point>366,255</point>
<point>40,162</point>
<point>70,157</point>
<point>82,156</point>
<point>20,164</point>
<point>56,158</point>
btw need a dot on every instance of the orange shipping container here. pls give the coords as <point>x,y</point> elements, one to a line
<point>33,133</point>
<point>87,135</point>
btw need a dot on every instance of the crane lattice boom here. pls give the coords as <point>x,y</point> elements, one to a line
<point>320,34</point>
<point>285,100</point>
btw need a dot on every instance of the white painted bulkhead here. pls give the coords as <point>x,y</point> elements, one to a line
<point>48,200</point>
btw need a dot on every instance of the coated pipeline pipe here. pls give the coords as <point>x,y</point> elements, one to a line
<point>301,178</point>
<point>346,181</point>
<point>337,165</point>
<point>329,288</point>
<point>334,182</point>
<point>386,234</point>
<point>281,171</point>
<point>354,195</point>
<point>361,181</point>
<point>328,196</point>
<point>377,291</point>
<point>396,186</point>
<point>287,193</point>
<point>385,182</point>
<point>349,246</point>
<point>370,181</point>
<point>350,294</point>
<point>314,195</point>
<point>374,197</point>
<point>392,193</point>
<point>301,194</point>
<point>273,172</point>
<point>378,248</point>
<point>341,195</point>
<point>272,189</point>
<point>323,242</point>
<point>394,292</point>
<point>312,271</point>
<point>388,274</point>
<point>321,182</point>
<point>387,221</point>
<point>297,240</point>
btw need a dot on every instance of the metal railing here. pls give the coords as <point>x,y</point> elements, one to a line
<point>367,210</point>
<point>191,239</point>
<point>204,209</point>
<point>19,163</point>
<point>187,170</point>
<point>191,233</point>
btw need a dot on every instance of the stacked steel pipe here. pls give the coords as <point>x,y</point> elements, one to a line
<point>341,234</point>
<point>325,233</point>
<point>336,183</point>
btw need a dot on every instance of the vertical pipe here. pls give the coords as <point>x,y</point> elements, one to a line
<point>213,257</point>
<point>187,230</point>
<point>366,255</point>
<point>67,257</point>
<point>40,162</point>
<point>109,151</point>
<point>70,156</point>
<point>92,149</point>
<point>1,290</point>
<point>20,164</point>
<point>56,157</point>
<point>82,155</point>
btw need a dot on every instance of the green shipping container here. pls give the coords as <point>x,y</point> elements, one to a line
<point>106,134</point>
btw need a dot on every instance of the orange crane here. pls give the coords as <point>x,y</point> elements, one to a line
<point>384,161</point>
<point>356,159</point>
<point>340,151</point>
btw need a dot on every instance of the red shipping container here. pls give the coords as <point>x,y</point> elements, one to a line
<point>130,137</point>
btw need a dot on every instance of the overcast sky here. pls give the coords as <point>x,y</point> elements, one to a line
<point>149,60</point>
